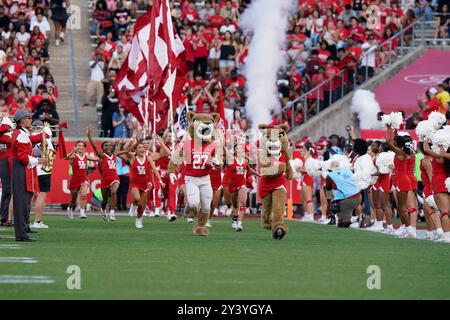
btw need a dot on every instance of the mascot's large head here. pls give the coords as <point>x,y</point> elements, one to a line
<point>202,126</point>
<point>274,138</point>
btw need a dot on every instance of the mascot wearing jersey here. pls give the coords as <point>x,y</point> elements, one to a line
<point>199,153</point>
<point>274,156</point>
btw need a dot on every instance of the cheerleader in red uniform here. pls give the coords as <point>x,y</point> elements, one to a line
<point>431,217</point>
<point>79,183</point>
<point>401,183</point>
<point>307,152</point>
<point>141,166</point>
<point>380,192</point>
<point>238,168</point>
<point>440,192</point>
<point>110,180</point>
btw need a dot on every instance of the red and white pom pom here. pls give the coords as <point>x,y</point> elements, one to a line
<point>312,167</point>
<point>295,165</point>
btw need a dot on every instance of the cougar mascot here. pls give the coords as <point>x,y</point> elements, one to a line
<point>198,154</point>
<point>274,159</point>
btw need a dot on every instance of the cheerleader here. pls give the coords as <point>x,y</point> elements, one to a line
<point>402,183</point>
<point>431,217</point>
<point>238,167</point>
<point>79,183</point>
<point>440,192</point>
<point>109,180</point>
<point>142,166</point>
<point>307,152</point>
<point>380,192</point>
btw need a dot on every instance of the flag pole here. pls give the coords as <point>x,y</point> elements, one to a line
<point>170,118</point>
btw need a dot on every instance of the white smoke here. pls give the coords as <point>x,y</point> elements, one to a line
<point>366,108</point>
<point>266,20</point>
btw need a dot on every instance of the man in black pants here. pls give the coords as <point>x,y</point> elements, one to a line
<point>24,177</point>
<point>5,153</point>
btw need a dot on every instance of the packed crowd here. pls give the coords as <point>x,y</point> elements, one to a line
<point>27,82</point>
<point>341,39</point>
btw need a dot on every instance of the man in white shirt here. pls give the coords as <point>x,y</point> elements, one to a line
<point>227,27</point>
<point>41,22</point>
<point>29,79</point>
<point>95,85</point>
<point>367,67</point>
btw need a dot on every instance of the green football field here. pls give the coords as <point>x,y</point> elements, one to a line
<point>165,261</point>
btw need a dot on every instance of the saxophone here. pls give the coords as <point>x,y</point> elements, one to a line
<point>47,154</point>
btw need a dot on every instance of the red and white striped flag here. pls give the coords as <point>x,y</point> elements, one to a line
<point>154,69</point>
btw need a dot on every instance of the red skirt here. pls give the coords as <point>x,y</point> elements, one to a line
<point>77,181</point>
<point>383,183</point>
<point>401,183</point>
<point>413,181</point>
<point>307,180</point>
<point>438,183</point>
<point>108,181</point>
<point>216,179</point>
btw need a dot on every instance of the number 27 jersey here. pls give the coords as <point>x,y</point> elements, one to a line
<point>197,159</point>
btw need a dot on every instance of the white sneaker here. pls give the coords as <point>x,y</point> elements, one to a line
<point>208,224</point>
<point>428,236</point>
<point>323,221</point>
<point>444,43</point>
<point>69,213</point>
<point>239,226</point>
<point>400,231</point>
<point>228,212</point>
<point>216,212</point>
<point>157,212</point>
<point>132,210</point>
<point>234,224</point>
<point>112,216</point>
<point>434,43</point>
<point>189,220</point>
<point>103,214</point>
<point>354,225</point>
<point>171,216</point>
<point>163,213</point>
<point>389,229</point>
<point>376,227</point>
<point>39,225</point>
<point>308,217</point>
<point>223,209</point>
<point>138,223</point>
<point>409,233</point>
<point>83,215</point>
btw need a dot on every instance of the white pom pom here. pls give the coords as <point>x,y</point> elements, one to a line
<point>395,120</point>
<point>364,168</point>
<point>425,129</point>
<point>431,202</point>
<point>384,160</point>
<point>441,139</point>
<point>296,164</point>
<point>447,184</point>
<point>312,167</point>
<point>324,166</point>
<point>437,118</point>
<point>344,162</point>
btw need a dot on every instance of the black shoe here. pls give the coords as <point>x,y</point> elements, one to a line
<point>31,231</point>
<point>332,221</point>
<point>279,234</point>
<point>27,239</point>
<point>6,224</point>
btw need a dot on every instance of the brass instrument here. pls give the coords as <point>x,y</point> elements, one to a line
<point>48,155</point>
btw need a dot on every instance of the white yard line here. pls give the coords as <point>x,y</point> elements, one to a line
<point>7,237</point>
<point>11,279</point>
<point>17,260</point>
<point>11,246</point>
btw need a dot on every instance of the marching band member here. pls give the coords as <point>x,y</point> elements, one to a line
<point>24,177</point>
<point>44,179</point>
<point>6,211</point>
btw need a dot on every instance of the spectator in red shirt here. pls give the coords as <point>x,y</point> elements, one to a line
<point>190,53</point>
<point>190,13</point>
<point>12,68</point>
<point>201,51</point>
<point>334,87</point>
<point>432,104</point>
